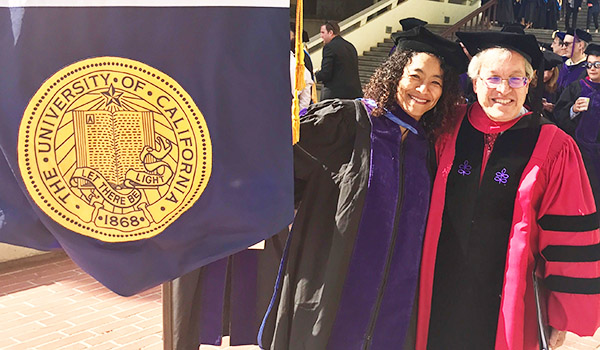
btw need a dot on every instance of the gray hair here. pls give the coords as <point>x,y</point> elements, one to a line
<point>496,54</point>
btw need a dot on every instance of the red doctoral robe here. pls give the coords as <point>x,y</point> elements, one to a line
<point>554,186</point>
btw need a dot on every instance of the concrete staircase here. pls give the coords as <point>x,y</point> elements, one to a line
<point>370,60</point>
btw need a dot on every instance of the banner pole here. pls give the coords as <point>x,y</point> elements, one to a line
<point>167,312</point>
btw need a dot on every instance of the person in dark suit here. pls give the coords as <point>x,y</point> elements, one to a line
<point>572,8</point>
<point>339,67</point>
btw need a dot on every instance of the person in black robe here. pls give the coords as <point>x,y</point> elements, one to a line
<point>527,12</point>
<point>552,14</point>
<point>350,268</point>
<point>504,12</point>
<point>573,69</point>
<point>572,8</point>
<point>578,114</point>
<point>593,11</point>
<point>538,19</point>
<point>551,63</point>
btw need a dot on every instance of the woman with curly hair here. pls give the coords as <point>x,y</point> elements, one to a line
<point>350,268</point>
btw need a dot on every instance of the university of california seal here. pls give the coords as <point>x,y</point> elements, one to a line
<point>114,149</point>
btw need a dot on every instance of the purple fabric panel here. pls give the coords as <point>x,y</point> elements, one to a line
<point>394,315</point>
<point>587,130</point>
<point>373,239</point>
<point>243,297</point>
<point>212,299</point>
<point>464,81</point>
<point>569,74</point>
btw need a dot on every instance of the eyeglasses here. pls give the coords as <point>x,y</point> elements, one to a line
<point>566,43</point>
<point>513,82</point>
<point>590,65</point>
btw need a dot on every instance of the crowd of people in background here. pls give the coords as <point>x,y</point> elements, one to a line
<point>547,13</point>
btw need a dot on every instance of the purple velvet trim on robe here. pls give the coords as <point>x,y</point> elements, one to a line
<point>466,85</point>
<point>211,303</point>
<point>569,74</point>
<point>588,128</point>
<point>398,299</point>
<point>244,289</point>
<point>374,240</point>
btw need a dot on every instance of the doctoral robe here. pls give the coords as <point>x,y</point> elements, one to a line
<point>350,268</point>
<point>504,12</point>
<point>584,128</point>
<point>553,221</point>
<point>552,14</point>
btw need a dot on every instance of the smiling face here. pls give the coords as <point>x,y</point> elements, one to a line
<point>420,86</point>
<point>594,73</point>
<point>501,103</point>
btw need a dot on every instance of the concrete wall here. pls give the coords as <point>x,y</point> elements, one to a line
<point>374,31</point>
<point>11,252</point>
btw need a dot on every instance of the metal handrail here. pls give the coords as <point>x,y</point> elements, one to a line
<point>356,21</point>
<point>480,19</point>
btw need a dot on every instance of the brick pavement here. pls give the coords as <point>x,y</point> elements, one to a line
<point>56,306</point>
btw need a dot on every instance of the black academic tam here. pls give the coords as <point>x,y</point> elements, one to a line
<point>524,44</point>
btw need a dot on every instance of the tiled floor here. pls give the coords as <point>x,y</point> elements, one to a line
<point>55,305</point>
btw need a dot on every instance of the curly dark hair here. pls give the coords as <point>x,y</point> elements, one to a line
<point>384,83</point>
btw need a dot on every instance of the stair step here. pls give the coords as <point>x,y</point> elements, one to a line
<point>374,64</point>
<point>376,58</point>
<point>386,45</point>
<point>372,53</point>
<point>383,49</point>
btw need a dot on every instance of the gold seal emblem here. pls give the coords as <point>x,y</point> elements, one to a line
<point>114,149</point>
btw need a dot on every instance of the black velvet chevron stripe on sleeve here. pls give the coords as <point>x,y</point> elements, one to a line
<point>572,223</point>
<point>564,253</point>
<point>573,285</point>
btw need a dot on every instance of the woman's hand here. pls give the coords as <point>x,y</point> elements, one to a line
<point>548,106</point>
<point>557,338</point>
